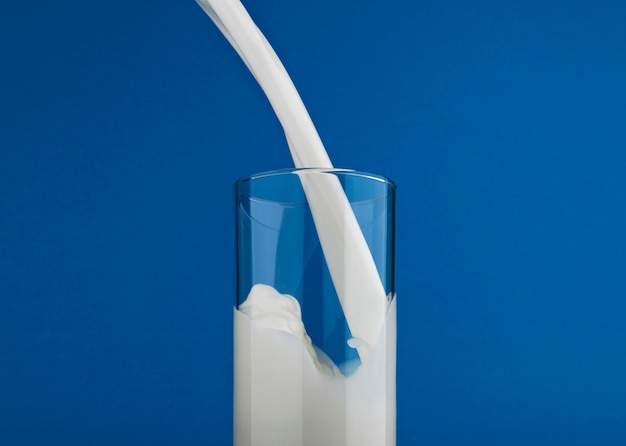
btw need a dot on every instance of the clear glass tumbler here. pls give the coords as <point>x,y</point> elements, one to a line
<point>302,378</point>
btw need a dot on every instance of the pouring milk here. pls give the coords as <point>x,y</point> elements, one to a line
<point>339,410</point>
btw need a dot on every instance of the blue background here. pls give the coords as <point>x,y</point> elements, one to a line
<point>124,124</point>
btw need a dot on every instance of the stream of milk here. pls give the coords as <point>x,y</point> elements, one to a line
<point>288,392</point>
<point>358,285</point>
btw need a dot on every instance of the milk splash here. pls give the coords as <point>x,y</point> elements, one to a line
<point>271,310</point>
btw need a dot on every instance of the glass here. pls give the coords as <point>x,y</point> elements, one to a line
<point>301,377</point>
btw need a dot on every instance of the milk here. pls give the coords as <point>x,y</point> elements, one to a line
<point>288,393</point>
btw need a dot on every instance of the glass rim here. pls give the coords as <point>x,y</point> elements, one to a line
<point>332,170</point>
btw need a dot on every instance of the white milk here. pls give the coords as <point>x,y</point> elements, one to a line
<point>288,393</point>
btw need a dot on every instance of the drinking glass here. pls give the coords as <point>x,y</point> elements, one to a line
<point>300,379</point>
